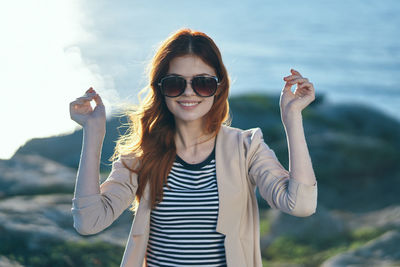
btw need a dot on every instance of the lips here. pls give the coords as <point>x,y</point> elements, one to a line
<point>188,103</point>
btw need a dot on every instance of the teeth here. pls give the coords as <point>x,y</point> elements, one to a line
<point>186,104</point>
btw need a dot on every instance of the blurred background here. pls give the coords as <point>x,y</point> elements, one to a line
<point>53,51</point>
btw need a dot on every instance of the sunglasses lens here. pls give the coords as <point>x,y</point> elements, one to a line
<point>173,86</point>
<point>205,86</point>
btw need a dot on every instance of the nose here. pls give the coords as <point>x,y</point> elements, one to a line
<point>189,90</point>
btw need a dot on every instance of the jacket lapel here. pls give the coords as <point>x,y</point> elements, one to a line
<point>229,170</point>
<point>230,184</point>
<point>142,216</point>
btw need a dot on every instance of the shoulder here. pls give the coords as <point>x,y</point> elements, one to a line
<point>128,161</point>
<point>247,136</point>
<point>246,142</point>
<point>242,146</point>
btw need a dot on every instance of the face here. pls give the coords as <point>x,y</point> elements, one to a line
<point>189,107</point>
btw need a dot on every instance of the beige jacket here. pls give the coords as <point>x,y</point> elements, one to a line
<point>243,161</point>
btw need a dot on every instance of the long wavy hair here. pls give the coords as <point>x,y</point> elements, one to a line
<point>151,126</point>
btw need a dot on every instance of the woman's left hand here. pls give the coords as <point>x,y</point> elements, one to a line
<point>294,103</point>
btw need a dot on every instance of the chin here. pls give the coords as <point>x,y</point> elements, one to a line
<point>188,119</point>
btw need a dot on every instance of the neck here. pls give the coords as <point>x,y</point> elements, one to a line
<point>190,135</point>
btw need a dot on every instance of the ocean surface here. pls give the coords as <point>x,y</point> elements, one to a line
<point>350,50</point>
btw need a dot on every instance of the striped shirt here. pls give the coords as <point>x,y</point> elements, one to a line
<point>183,225</point>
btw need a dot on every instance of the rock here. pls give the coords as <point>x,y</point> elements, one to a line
<point>32,174</point>
<point>388,217</point>
<point>354,149</point>
<point>5,262</point>
<point>383,251</point>
<point>35,205</point>
<point>47,218</point>
<point>323,224</point>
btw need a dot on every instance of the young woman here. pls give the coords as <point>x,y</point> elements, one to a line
<point>193,177</point>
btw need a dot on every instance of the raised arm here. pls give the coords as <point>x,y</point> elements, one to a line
<point>293,191</point>
<point>93,122</point>
<point>291,105</point>
<point>276,185</point>
<point>95,207</point>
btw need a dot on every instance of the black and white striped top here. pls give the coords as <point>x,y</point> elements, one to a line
<point>183,225</point>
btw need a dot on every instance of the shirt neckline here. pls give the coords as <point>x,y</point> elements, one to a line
<point>199,165</point>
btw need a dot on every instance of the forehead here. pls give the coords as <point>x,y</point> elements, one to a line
<point>189,65</point>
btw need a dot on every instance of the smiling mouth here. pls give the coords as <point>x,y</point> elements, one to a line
<point>188,104</point>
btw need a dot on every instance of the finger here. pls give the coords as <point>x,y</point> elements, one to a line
<point>90,94</point>
<point>76,101</point>
<point>306,85</point>
<point>298,80</point>
<point>86,98</point>
<point>295,72</point>
<point>79,102</point>
<point>287,87</point>
<point>306,90</point>
<point>75,104</point>
<point>72,105</point>
<point>291,77</point>
<point>89,90</point>
<point>98,100</point>
<point>303,92</point>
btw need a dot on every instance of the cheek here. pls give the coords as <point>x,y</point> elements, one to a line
<point>212,101</point>
<point>168,103</point>
<point>209,105</point>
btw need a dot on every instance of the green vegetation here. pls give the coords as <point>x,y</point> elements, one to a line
<point>264,227</point>
<point>354,151</point>
<point>66,254</point>
<point>265,222</point>
<point>312,251</point>
<point>250,102</point>
<point>45,251</point>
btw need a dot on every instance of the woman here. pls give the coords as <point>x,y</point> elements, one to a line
<point>193,177</point>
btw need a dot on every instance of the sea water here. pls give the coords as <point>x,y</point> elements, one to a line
<point>350,50</point>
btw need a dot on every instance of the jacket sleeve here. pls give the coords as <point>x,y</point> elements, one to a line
<point>94,213</point>
<point>273,180</point>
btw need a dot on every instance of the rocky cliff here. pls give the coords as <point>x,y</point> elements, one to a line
<point>354,151</point>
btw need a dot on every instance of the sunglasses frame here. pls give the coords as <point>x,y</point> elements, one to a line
<point>194,90</point>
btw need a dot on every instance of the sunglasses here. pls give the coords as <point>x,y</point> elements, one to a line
<point>175,85</point>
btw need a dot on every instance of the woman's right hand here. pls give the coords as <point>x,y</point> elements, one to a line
<point>82,112</point>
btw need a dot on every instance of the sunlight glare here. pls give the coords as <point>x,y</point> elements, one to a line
<point>42,69</point>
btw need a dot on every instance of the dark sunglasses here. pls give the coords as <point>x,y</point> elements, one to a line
<point>175,85</point>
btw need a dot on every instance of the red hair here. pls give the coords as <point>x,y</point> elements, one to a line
<point>151,132</point>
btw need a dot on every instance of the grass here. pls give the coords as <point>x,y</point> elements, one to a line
<point>313,251</point>
<point>16,247</point>
<point>285,250</point>
<point>70,254</point>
